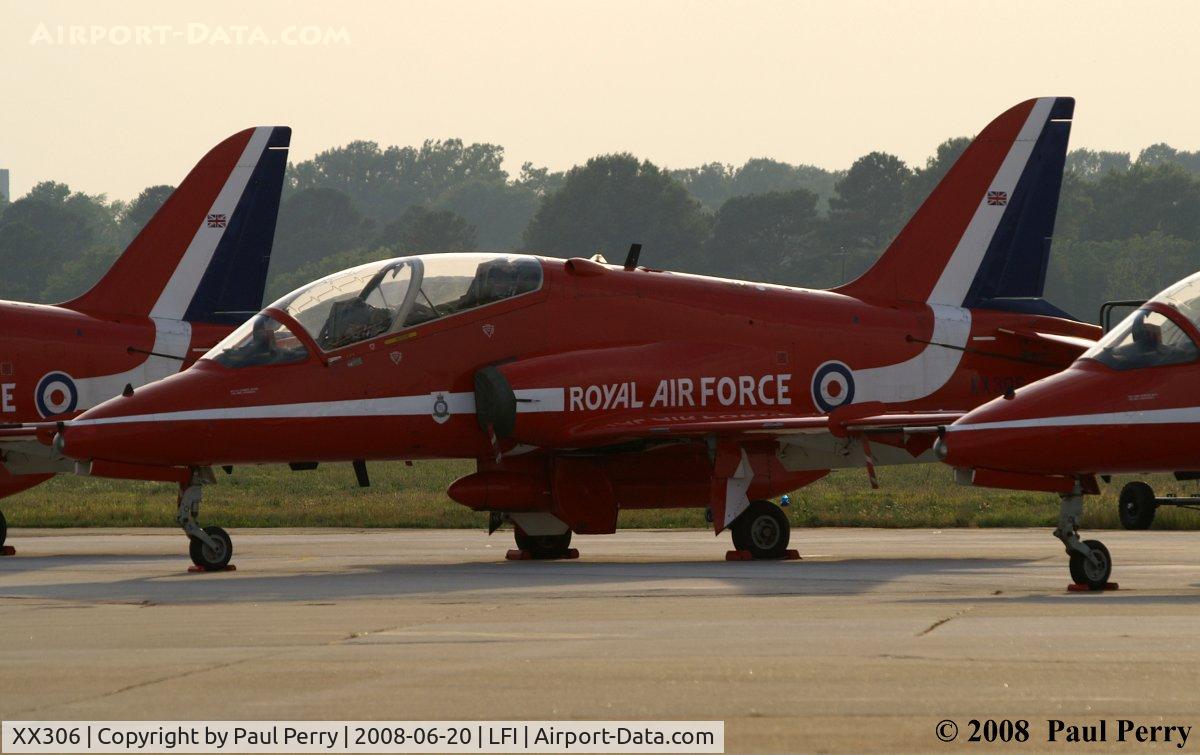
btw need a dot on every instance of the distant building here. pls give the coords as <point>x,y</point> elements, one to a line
<point>4,185</point>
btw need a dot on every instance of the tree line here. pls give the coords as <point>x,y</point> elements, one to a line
<point>1126,226</point>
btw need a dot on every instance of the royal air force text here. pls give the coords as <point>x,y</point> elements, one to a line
<point>680,393</point>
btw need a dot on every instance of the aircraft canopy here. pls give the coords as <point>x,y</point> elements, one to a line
<point>383,297</point>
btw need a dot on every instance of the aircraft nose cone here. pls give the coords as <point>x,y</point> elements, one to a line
<point>964,447</point>
<point>87,442</point>
<point>116,430</point>
<point>986,436</point>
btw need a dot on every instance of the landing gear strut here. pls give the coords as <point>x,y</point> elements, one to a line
<point>1090,562</point>
<point>210,547</point>
<point>763,530</point>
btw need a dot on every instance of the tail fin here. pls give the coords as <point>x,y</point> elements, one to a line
<point>203,257</point>
<point>982,237</point>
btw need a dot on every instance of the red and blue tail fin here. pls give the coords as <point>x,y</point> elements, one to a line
<point>203,257</point>
<point>982,237</point>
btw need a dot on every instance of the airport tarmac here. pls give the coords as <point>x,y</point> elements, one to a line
<point>865,644</point>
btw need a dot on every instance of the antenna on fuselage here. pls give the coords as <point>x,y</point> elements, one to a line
<point>360,473</point>
<point>631,259</point>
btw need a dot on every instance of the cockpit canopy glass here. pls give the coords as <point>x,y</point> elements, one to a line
<point>261,340</point>
<point>1184,296</point>
<point>1144,339</point>
<point>383,297</point>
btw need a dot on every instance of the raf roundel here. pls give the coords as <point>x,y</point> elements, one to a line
<point>56,394</point>
<point>832,386</point>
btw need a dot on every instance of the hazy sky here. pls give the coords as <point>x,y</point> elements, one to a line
<point>555,82</point>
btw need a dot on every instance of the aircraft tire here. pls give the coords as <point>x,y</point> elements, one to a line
<point>763,530</point>
<point>209,558</point>
<point>1083,571</point>
<point>543,546</point>
<point>1136,506</point>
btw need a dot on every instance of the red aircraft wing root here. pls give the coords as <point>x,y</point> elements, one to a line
<point>588,492</point>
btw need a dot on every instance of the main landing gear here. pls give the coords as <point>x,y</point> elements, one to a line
<point>210,547</point>
<point>1090,564</point>
<point>1136,506</point>
<point>762,530</point>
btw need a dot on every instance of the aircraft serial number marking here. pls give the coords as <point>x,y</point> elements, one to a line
<point>673,393</point>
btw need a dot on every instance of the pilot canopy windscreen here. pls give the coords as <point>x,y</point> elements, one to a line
<point>260,341</point>
<point>385,297</point>
<point>1144,339</point>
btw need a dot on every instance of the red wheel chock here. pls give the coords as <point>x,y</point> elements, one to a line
<point>517,554</point>
<point>8,550</point>
<point>791,555</point>
<point>196,569</point>
<point>1085,587</point>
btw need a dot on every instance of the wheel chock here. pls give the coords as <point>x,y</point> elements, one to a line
<point>522,555</point>
<point>1085,587</point>
<point>8,550</point>
<point>196,569</point>
<point>790,555</point>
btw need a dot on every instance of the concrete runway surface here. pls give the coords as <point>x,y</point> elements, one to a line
<point>866,644</point>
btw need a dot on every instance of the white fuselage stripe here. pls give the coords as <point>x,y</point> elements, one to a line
<point>528,401</point>
<point>1181,415</point>
<point>925,373</point>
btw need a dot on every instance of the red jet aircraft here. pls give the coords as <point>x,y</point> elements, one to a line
<point>194,273</point>
<point>1127,405</point>
<point>582,388</point>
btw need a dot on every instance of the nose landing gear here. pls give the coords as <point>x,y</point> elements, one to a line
<point>210,547</point>
<point>1090,562</point>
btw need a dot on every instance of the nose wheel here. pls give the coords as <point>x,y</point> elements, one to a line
<point>762,530</point>
<point>214,556</point>
<point>1090,563</point>
<point>1093,570</point>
